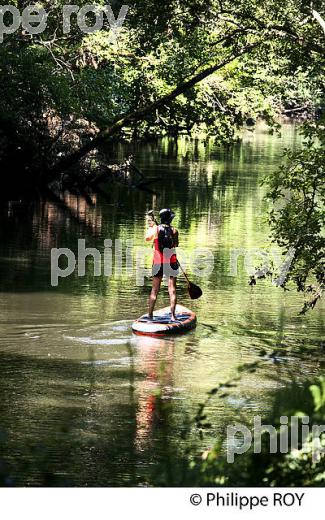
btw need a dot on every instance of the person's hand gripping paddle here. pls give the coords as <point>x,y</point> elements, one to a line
<point>194,291</point>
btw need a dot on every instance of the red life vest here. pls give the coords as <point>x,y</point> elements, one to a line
<point>160,258</point>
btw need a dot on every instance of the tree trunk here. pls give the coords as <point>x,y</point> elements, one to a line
<point>319,19</point>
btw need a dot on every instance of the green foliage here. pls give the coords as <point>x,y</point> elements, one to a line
<point>318,393</point>
<point>94,79</point>
<point>302,465</point>
<point>297,217</point>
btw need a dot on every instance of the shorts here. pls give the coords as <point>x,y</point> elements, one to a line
<point>168,270</point>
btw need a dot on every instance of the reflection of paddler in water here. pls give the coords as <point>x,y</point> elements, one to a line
<point>165,240</point>
<point>155,360</point>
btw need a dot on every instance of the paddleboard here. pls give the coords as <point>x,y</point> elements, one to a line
<point>161,325</point>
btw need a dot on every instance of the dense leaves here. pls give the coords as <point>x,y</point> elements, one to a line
<point>297,193</point>
<point>58,89</point>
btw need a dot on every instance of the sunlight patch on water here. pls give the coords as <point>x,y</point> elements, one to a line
<point>92,341</point>
<point>116,363</point>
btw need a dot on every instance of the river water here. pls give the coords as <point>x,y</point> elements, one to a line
<point>83,401</point>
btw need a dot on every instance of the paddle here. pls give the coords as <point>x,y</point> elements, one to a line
<point>194,291</point>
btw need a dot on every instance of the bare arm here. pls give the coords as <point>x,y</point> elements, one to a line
<point>151,233</point>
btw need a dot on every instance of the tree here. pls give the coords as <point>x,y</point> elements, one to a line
<point>297,217</point>
<point>175,66</point>
<point>251,33</point>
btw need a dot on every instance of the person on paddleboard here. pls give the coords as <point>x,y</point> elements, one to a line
<point>165,263</point>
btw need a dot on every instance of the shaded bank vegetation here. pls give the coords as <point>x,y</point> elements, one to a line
<point>201,68</point>
<point>298,459</point>
<point>296,193</point>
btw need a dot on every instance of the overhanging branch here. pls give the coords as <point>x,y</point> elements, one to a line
<point>140,114</point>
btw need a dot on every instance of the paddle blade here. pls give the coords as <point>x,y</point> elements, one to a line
<point>195,291</point>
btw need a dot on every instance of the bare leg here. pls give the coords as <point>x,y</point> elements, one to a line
<point>172,295</point>
<point>156,283</point>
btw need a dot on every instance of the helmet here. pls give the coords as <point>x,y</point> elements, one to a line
<point>166,216</point>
